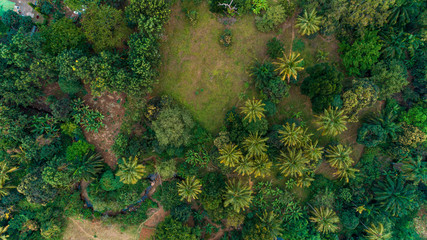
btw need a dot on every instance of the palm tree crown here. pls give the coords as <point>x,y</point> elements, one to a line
<point>4,172</point>
<point>339,156</point>
<point>237,195</point>
<point>293,163</point>
<point>375,232</point>
<point>130,171</point>
<point>230,155</point>
<point>291,135</point>
<point>189,188</point>
<point>313,152</point>
<point>332,122</point>
<point>261,166</point>
<point>346,173</point>
<point>309,22</point>
<point>326,220</point>
<point>289,66</point>
<point>254,110</point>
<point>415,170</point>
<point>245,166</point>
<point>255,145</point>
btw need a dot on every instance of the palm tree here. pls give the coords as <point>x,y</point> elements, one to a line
<point>130,171</point>
<point>291,135</point>
<point>4,190</point>
<point>326,220</point>
<point>255,145</point>
<point>254,110</point>
<point>189,188</point>
<point>415,170</point>
<point>88,166</point>
<point>339,156</point>
<point>306,180</point>
<point>230,155</point>
<point>346,173</point>
<point>377,232</point>
<point>313,152</point>
<point>270,225</point>
<point>293,163</point>
<point>4,172</point>
<point>261,166</point>
<point>289,66</point>
<point>237,195</point>
<point>3,235</point>
<point>245,166</point>
<point>394,196</point>
<point>332,122</point>
<point>309,22</point>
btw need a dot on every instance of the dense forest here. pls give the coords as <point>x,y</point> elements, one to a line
<point>214,119</point>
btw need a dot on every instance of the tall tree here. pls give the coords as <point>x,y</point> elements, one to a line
<point>326,220</point>
<point>230,155</point>
<point>237,195</point>
<point>289,66</point>
<point>309,22</point>
<point>313,152</point>
<point>332,122</point>
<point>254,110</point>
<point>130,171</point>
<point>189,188</point>
<point>293,163</point>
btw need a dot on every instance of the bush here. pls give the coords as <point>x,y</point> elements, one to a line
<point>167,194</point>
<point>226,38</point>
<point>78,149</point>
<point>275,48</point>
<point>349,220</point>
<point>109,182</point>
<point>166,169</point>
<point>371,135</point>
<point>267,81</point>
<point>61,109</point>
<point>181,212</point>
<point>298,45</point>
<point>273,17</point>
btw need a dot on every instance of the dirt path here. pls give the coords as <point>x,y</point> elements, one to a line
<point>149,226</point>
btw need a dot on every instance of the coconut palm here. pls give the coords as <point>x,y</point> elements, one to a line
<point>5,170</point>
<point>415,170</point>
<point>308,23</point>
<point>377,232</point>
<point>245,166</point>
<point>305,181</point>
<point>261,166</point>
<point>189,188</point>
<point>130,171</point>
<point>237,195</point>
<point>313,152</point>
<point>88,166</point>
<point>291,135</point>
<point>255,145</point>
<point>289,66</point>
<point>254,110</point>
<point>346,173</point>
<point>326,220</point>
<point>270,224</point>
<point>292,163</point>
<point>230,155</point>
<point>332,122</point>
<point>339,156</point>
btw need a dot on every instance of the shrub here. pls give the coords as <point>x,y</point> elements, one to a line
<point>181,212</point>
<point>389,77</point>
<point>167,194</point>
<point>275,48</point>
<point>349,220</point>
<point>226,38</point>
<point>267,81</point>
<point>109,182</point>
<point>371,135</point>
<point>78,149</point>
<point>274,16</point>
<point>61,109</point>
<point>298,45</point>
<point>166,169</point>
<point>90,119</point>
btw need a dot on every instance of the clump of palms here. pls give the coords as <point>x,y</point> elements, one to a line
<point>230,155</point>
<point>130,171</point>
<point>326,220</point>
<point>377,232</point>
<point>255,145</point>
<point>254,110</point>
<point>289,66</point>
<point>189,188</point>
<point>332,122</point>
<point>309,22</point>
<point>293,163</point>
<point>237,195</point>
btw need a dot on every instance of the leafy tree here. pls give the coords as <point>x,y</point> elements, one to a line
<point>166,169</point>
<point>109,182</point>
<point>361,56</point>
<point>292,135</point>
<point>273,17</point>
<point>254,110</point>
<point>88,118</point>
<point>309,22</point>
<point>72,69</point>
<point>189,188</point>
<point>411,136</point>
<point>394,196</point>
<point>173,127</point>
<point>268,82</point>
<point>36,190</point>
<point>289,66</point>
<point>332,122</point>
<point>230,155</point>
<point>105,27</point>
<point>339,156</point>
<point>293,163</point>
<point>326,220</point>
<point>275,48</point>
<point>173,230</point>
<point>322,85</point>
<point>77,150</point>
<point>237,195</point>
<point>14,21</point>
<point>371,135</point>
<point>389,77</point>
<point>416,116</point>
<point>130,172</point>
<point>58,173</point>
<point>255,145</point>
<point>259,5</point>
<point>148,15</point>
<point>61,35</point>
<point>363,94</point>
<point>377,232</point>
<point>415,170</point>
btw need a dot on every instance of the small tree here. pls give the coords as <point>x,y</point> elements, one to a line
<point>293,163</point>
<point>189,188</point>
<point>289,66</point>
<point>309,22</point>
<point>377,232</point>
<point>255,145</point>
<point>326,220</point>
<point>130,171</point>
<point>237,195</point>
<point>230,155</point>
<point>339,156</point>
<point>254,110</point>
<point>332,122</point>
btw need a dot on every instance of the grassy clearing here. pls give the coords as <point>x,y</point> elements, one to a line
<point>200,73</point>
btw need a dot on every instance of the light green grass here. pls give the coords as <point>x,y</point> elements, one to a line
<point>204,76</point>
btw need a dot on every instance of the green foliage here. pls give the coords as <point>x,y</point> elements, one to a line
<point>181,212</point>
<point>61,109</point>
<point>173,230</point>
<point>173,127</point>
<point>363,94</point>
<point>14,21</point>
<point>411,136</point>
<point>271,19</point>
<point>78,149</point>
<point>362,55</point>
<point>267,81</point>
<point>226,38</point>
<point>90,119</point>
<point>87,166</point>
<point>61,35</point>
<point>105,32</point>
<point>45,125</point>
<point>148,15</point>
<point>109,182</point>
<point>371,135</point>
<point>130,171</point>
<point>259,5</point>
<point>197,159</point>
<point>166,169</point>
<point>57,174</point>
<point>416,116</point>
<point>36,190</point>
<point>167,194</point>
<point>349,220</point>
<point>322,84</point>
<point>72,66</point>
<point>275,48</point>
<point>389,77</point>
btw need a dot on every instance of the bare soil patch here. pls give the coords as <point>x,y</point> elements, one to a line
<point>79,229</point>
